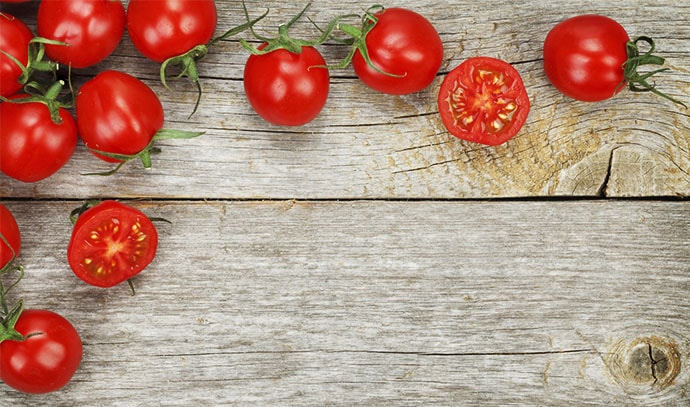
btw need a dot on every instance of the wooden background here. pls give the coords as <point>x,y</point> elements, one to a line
<point>370,258</point>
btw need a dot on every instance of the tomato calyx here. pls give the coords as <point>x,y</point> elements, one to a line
<point>636,81</point>
<point>145,154</point>
<point>50,97</point>
<point>36,59</point>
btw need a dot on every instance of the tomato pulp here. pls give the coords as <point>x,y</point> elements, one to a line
<point>483,100</point>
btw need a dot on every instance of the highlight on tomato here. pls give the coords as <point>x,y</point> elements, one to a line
<point>38,135</point>
<point>591,58</point>
<point>483,100</point>
<point>111,243</point>
<point>91,29</point>
<point>14,44</point>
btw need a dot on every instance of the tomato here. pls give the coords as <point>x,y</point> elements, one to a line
<point>32,146</point>
<point>111,243</point>
<point>10,232</point>
<point>118,114</point>
<point>47,359</point>
<point>92,28</point>
<point>584,57</point>
<point>483,100</point>
<point>162,29</point>
<point>14,40</point>
<point>402,43</point>
<point>285,88</point>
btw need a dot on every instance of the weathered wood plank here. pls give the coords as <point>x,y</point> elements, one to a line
<point>367,145</point>
<point>379,303</point>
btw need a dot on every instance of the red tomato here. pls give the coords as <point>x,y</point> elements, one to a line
<point>285,88</point>
<point>402,43</point>
<point>14,40</point>
<point>10,232</point>
<point>111,243</point>
<point>46,360</point>
<point>32,146</point>
<point>483,100</point>
<point>162,29</point>
<point>117,113</point>
<point>92,28</point>
<point>584,57</point>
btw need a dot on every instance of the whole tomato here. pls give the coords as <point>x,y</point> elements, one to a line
<point>117,114</point>
<point>33,144</point>
<point>46,359</point>
<point>10,234</point>
<point>404,49</point>
<point>286,88</point>
<point>14,40</point>
<point>92,28</point>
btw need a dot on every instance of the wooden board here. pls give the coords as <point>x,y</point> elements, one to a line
<point>369,258</point>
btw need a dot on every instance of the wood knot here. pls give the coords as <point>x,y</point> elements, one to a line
<point>645,363</point>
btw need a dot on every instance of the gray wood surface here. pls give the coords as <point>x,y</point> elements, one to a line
<point>369,258</point>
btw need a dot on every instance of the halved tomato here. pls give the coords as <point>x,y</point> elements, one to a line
<point>483,100</point>
<point>111,243</point>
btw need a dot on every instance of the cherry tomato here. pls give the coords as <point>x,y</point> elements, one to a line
<point>32,146</point>
<point>584,57</point>
<point>162,29</point>
<point>92,28</point>
<point>47,359</point>
<point>117,113</point>
<point>285,88</point>
<point>14,40</point>
<point>402,43</point>
<point>483,100</point>
<point>111,243</point>
<point>10,231</point>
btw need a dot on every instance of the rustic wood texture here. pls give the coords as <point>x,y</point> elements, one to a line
<point>369,258</point>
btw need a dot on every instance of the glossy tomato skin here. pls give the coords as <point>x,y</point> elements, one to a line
<point>10,231</point>
<point>44,362</point>
<point>285,88</point>
<point>483,100</point>
<point>403,43</point>
<point>14,39</point>
<point>584,57</point>
<point>111,243</point>
<point>92,28</point>
<point>32,146</point>
<point>162,29</point>
<point>117,113</point>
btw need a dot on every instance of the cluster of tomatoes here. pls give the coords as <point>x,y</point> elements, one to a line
<point>392,50</point>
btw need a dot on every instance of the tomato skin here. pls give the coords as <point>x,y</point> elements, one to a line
<point>162,29</point>
<point>32,147</point>
<point>584,57</point>
<point>483,100</point>
<point>10,231</point>
<point>285,88</point>
<point>117,113</point>
<point>92,28</point>
<point>111,243</point>
<point>44,362</point>
<point>402,43</point>
<point>14,39</point>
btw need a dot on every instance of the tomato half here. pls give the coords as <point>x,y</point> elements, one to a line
<point>584,57</point>
<point>92,28</point>
<point>405,44</point>
<point>14,40</point>
<point>162,29</point>
<point>10,231</point>
<point>47,359</point>
<point>32,146</point>
<point>111,243</point>
<point>483,100</point>
<point>285,88</point>
<point>117,113</point>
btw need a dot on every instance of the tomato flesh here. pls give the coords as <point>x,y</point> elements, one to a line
<point>111,243</point>
<point>483,100</point>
